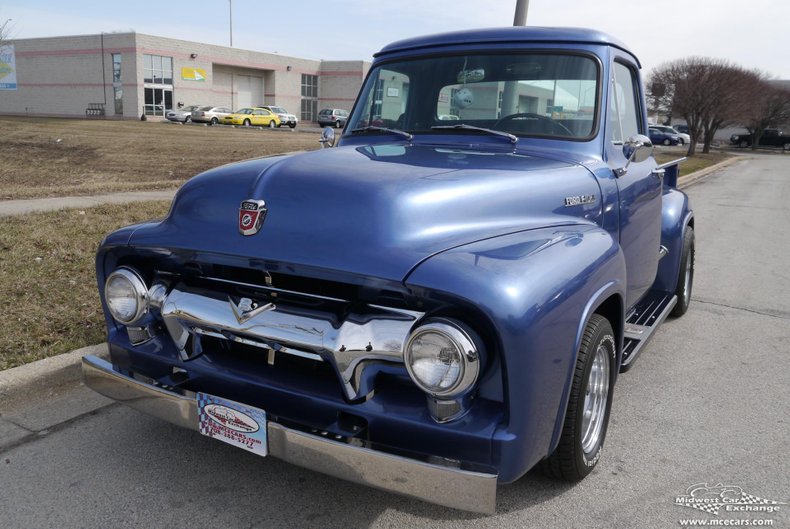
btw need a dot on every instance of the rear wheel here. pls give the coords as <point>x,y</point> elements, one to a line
<point>292,125</point>
<point>743,144</point>
<point>272,124</point>
<point>246,123</point>
<point>337,124</point>
<point>787,146</point>
<point>589,405</point>
<point>667,141</point>
<point>685,274</point>
<point>214,121</point>
<point>188,119</point>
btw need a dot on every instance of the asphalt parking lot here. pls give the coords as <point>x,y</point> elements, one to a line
<point>706,402</point>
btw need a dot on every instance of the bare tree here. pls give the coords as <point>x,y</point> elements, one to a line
<point>770,106</point>
<point>5,29</point>
<point>704,91</point>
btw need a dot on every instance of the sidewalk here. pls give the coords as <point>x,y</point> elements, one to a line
<point>19,207</point>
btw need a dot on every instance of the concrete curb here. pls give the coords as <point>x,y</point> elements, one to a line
<point>60,370</point>
<point>697,176</point>
<point>65,368</point>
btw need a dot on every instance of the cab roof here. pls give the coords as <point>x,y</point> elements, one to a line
<point>526,34</point>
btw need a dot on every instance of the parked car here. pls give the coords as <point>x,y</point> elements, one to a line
<point>257,116</point>
<point>334,117</point>
<point>285,117</point>
<point>770,138</point>
<point>430,309</point>
<point>659,137</point>
<point>685,139</point>
<point>210,114</point>
<point>183,114</point>
<point>681,128</point>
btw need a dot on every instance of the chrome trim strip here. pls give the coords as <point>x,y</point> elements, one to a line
<point>273,289</point>
<point>349,345</point>
<point>450,487</point>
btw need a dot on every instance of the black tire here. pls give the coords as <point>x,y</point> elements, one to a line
<point>685,275</point>
<point>246,123</point>
<point>321,125</point>
<point>292,125</point>
<point>667,142</point>
<point>272,124</point>
<point>188,119</point>
<point>214,121</point>
<point>570,461</point>
<point>337,124</point>
<point>743,144</point>
<point>786,146</point>
<point>682,141</point>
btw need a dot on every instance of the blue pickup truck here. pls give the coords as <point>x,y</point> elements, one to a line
<point>438,301</point>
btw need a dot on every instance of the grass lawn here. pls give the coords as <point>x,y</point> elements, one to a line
<point>694,163</point>
<point>49,298</point>
<point>43,157</point>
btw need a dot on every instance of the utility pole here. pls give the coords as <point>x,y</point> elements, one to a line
<point>230,19</point>
<point>510,92</point>
<point>522,6</point>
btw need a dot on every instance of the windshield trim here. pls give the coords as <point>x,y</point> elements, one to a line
<point>599,88</point>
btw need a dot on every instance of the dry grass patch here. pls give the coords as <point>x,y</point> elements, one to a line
<point>49,297</point>
<point>693,163</point>
<point>61,157</point>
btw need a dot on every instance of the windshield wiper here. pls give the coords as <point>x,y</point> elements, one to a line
<point>464,126</point>
<point>374,128</point>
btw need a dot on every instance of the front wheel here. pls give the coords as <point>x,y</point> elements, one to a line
<point>685,274</point>
<point>338,124</point>
<point>214,121</point>
<point>292,125</point>
<point>786,146</point>
<point>188,119</point>
<point>246,122</point>
<point>589,405</point>
<point>743,144</point>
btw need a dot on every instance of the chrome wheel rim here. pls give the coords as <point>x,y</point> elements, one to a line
<point>595,398</point>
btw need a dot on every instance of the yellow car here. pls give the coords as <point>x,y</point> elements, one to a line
<point>253,116</point>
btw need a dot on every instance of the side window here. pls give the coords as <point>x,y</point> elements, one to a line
<point>624,111</point>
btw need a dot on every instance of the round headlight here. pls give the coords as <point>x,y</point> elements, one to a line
<point>442,359</point>
<point>126,296</point>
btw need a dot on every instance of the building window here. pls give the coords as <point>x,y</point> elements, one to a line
<point>116,67</point>
<point>157,69</point>
<point>118,92</point>
<point>309,97</point>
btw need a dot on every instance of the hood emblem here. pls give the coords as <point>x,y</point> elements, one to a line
<point>251,215</point>
<point>247,309</point>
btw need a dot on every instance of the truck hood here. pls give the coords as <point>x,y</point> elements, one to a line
<point>375,211</point>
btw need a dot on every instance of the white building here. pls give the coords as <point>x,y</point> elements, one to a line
<point>129,74</point>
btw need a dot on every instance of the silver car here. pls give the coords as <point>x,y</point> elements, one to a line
<point>285,117</point>
<point>183,114</point>
<point>210,114</point>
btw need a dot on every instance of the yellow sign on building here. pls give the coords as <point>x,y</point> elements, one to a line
<point>193,74</point>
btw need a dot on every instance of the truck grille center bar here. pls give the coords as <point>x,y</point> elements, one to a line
<point>349,345</point>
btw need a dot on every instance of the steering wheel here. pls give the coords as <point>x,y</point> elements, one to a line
<point>558,127</point>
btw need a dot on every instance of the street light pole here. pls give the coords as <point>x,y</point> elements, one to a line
<point>522,6</point>
<point>230,19</point>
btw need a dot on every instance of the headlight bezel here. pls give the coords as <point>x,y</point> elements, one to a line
<point>465,346</point>
<point>140,295</point>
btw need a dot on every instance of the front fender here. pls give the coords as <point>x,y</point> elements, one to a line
<point>537,288</point>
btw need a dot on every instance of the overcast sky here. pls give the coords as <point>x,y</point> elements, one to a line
<point>752,33</point>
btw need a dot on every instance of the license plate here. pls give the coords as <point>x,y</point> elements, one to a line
<point>233,423</point>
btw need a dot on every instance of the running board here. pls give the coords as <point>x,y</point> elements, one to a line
<point>642,322</point>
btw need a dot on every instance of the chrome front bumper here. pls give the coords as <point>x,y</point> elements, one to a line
<point>450,487</point>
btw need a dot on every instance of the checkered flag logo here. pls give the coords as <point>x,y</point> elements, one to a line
<point>711,499</point>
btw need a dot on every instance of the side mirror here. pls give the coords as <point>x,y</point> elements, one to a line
<point>637,148</point>
<point>327,137</point>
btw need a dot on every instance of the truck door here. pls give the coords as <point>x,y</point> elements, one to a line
<point>640,188</point>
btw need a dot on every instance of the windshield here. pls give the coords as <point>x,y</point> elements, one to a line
<point>278,110</point>
<point>527,94</point>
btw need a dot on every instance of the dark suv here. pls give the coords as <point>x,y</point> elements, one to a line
<point>335,117</point>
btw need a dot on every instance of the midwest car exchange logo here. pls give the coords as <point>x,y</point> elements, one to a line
<point>711,499</point>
